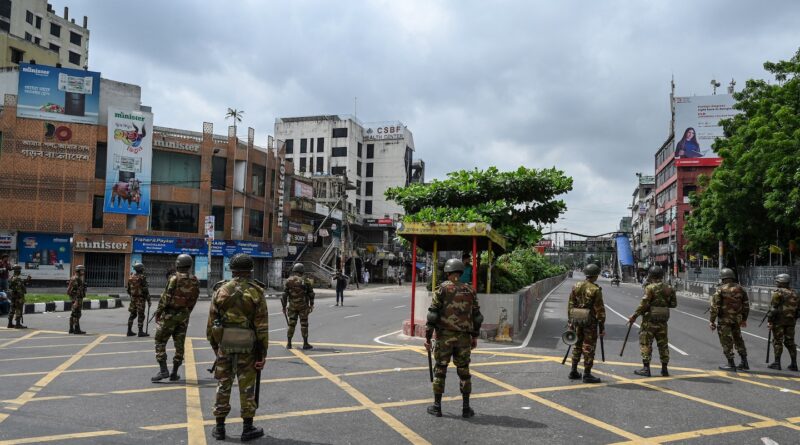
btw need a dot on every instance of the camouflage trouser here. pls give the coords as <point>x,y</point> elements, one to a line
<point>647,333</point>
<point>17,308</point>
<point>783,336</point>
<point>172,326</point>
<point>456,345</point>
<point>293,314</point>
<point>136,308</point>
<point>77,308</point>
<point>246,376</point>
<point>586,344</point>
<point>730,335</point>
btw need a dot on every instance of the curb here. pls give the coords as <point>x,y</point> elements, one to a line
<point>64,306</point>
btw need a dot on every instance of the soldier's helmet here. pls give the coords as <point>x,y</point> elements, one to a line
<point>656,272</point>
<point>453,265</point>
<point>591,270</point>
<point>184,262</point>
<point>79,268</point>
<point>783,279</point>
<point>299,269</point>
<point>16,268</point>
<point>726,274</point>
<point>241,262</point>
<point>138,267</point>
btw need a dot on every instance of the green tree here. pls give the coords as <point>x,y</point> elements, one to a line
<point>754,196</point>
<point>512,202</point>
<point>236,116</point>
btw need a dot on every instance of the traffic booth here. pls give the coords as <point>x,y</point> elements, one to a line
<point>446,236</point>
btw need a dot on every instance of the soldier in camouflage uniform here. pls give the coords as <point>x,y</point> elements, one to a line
<point>172,316</point>
<point>76,290</point>
<point>140,294</point>
<point>18,290</point>
<point>654,309</point>
<point>238,329</point>
<point>456,318</point>
<point>729,310</point>
<point>297,301</point>
<point>587,316</point>
<point>782,317</point>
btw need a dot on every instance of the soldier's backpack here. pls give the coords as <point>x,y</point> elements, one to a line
<point>659,310</point>
<point>731,299</point>
<point>186,291</point>
<point>582,315</point>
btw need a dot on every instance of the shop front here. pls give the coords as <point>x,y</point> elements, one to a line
<point>105,258</point>
<point>45,256</point>
<point>8,245</point>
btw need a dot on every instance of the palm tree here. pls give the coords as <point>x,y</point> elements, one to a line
<point>236,115</point>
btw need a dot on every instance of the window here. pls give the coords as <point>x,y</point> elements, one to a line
<point>358,187</point>
<point>258,180</point>
<point>173,216</point>
<point>269,227</point>
<point>54,47</point>
<point>272,182</point>
<point>5,26</point>
<point>338,151</point>
<point>218,212</point>
<point>219,167</point>
<point>302,164</point>
<point>55,30</point>
<point>289,146</point>
<point>359,149</point>
<point>370,151</point>
<point>338,171</point>
<point>320,145</point>
<point>256,223</point>
<point>37,40</point>
<point>29,17</point>
<point>100,161</point>
<point>368,188</point>
<point>74,58</point>
<point>358,168</point>
<point>176,169</point>
<point>369,170</point>
<point>358,206</point>
<point>16,55</point>
<point>38,24</point>
<point>320,165</point>
<point>368,207</point>
<point>303,145</point>
<point>75,38</point>
<point>28,37</point>
<point>340,132</point>
<point>97,212</point>
<point>5,8</point>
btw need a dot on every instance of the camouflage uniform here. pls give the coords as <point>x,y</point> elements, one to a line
<point>18,290</point>
<point>76,290</point>
<point>783,316</point>
<point>173,312</point>
<point>586,294</point>
<point>656,294</point>
<point>297,300</point>
<point>457,307</point>
<point>140,295</point>
<point>238,303</point>
<point>731,306</point>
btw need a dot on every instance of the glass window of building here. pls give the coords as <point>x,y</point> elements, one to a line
<point>289,146</point>
<point>370,151</point>
<point>97,212</point>
<point>256,223</point>
<point>320,145</point>
<point>100,161</point>
<point>338,152</point>
<point>75,38</point>
<point>176,169</point>
<point>174,217</point>
<point>303,145</point>
<point>340,132</point>
<point>258,179</point>
<point>219,167</point>
<point>369,170</point>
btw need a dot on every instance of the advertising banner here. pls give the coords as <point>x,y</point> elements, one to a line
<point>59,94</point>
<point>166,245</point>
<point>8,240</point>
<point>303,190</point>
<point>697,124</point>
<point>128,166</point>
<point>45,256</point>
<point>201,267</point>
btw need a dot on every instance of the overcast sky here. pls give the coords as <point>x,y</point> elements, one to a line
<point>580,85</point>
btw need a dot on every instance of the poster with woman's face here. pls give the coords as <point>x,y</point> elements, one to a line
<point>697,124</point>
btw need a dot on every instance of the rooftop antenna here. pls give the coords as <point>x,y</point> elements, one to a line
<point>731,86</point>
<point>715,85</point>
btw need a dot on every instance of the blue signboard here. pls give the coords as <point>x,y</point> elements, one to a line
<point>45,256</point>
<point>198,246</point>
<point>59,94</point>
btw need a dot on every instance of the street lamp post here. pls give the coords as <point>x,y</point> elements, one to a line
<point>210,213</point>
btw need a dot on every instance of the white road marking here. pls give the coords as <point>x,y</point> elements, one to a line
<point>706,320</point>
<point>679,351</point>
<point>380,338</point>
<point>399,307</point>
<point>355,315</point>
<point>768,441</point>
<point>276,330</point>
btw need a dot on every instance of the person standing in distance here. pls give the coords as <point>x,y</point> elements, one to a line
<point>587,316</point>
<point>341,285</point>
<point>654,309</point>
<point>782,317</point>
<point>140,294</point>
<point>238,330</point>
<point>297,301</point>
<point>455,317</point>
<point>18,290</point>
<point>172,316</point>
<point>76,290</point>
<point>729,310</point>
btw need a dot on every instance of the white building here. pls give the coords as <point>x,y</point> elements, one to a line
<point>37,22</point>
<point>372,156</point>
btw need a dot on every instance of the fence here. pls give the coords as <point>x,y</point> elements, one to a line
<point>753,276</point>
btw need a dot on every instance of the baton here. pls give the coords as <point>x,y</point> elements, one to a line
<point>769,340</point>
<point>630,325</point>
<point>602,350</point>
<point>430,366</point>
<point>147,328</point>
<point>762,320</point>
<point>569,348</point>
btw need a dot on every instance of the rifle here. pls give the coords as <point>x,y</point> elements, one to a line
<point>430,366</point>
<point>769,340</point>
<point>630,325</point>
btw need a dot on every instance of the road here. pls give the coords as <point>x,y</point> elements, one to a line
<point>366,384</point>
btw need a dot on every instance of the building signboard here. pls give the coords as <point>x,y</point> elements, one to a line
<point>102,243</point>
<point>44,256</point>
<point>378,222</point>
<point>380,131</point>
<point>59,94</point>
<point>303,190</point>
<point>166,245</point>
<point>8,240</point>
<point>129,161</point>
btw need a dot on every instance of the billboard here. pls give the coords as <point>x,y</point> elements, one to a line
<point>129,160</point>
<point>44,256</point>
<point>303,190</point>
<point>59,94</point>
<point>697,124</point>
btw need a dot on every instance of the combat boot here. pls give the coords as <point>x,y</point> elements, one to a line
<point>588,377</point>
<point>143,333</point>
<point>731,366</point>
<point>71,326</point>
<point>174,377</point>
<point>289,344</point>
<point>466,410</point>
<point>574,374</point>
<point>776,364</point>
<point>78,328</point>
<point>743,366</point>
<point>436,408</point>
<point>20,325</point>
<point>645,371</point>
<point>162,373</point>
<point>130,331</point>
<point>11,321</point>
<point>250,432</point>
<point>218,432</point>
<point>664,370</point>
<point>793,365</point>
<point>306,345</point>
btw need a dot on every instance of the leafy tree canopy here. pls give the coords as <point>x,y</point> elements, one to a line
<point>510,201</point>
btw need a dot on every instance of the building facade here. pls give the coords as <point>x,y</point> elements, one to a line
<point>642,222</point>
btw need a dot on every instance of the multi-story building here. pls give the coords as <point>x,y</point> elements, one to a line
<point>642,221</point>
<point>35,21</point>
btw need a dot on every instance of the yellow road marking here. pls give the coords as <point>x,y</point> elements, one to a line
<point>753,382</point>
<point>16,340</point>
<point>705,432</point>
<point>94,354</point>
<point>194,411</point>
<point>39,439</point>
<point>379,412</point>
<point>44,381</point>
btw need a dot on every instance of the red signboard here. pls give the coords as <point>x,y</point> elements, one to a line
<point>698,162</point>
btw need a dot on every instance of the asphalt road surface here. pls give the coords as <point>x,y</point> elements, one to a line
<point>364,383</point>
